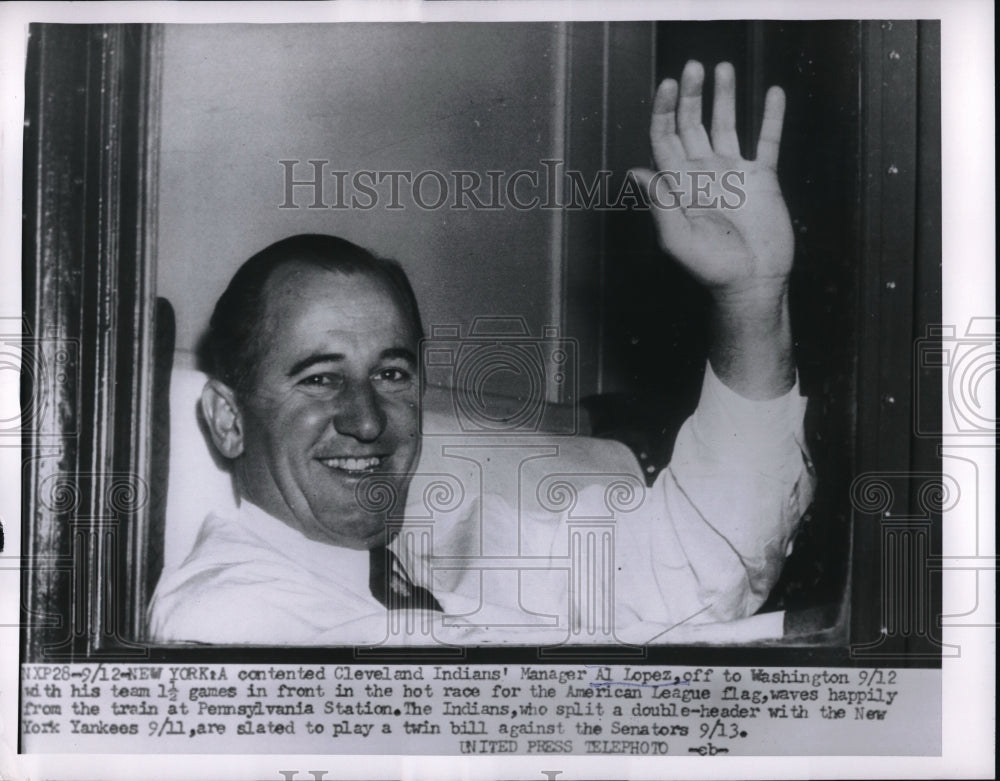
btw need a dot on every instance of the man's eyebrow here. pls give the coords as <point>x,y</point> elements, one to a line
<point>311,360</point>
<point>403,353</point>
<point>398,353</point>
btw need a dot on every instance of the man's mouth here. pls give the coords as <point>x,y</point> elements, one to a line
<point>353,465</point>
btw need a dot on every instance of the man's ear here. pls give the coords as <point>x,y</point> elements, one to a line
<point>223,416</point>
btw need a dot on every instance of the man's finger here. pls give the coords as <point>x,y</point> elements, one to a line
<point>689,126</point>
<point>770,130</point>
<point>673,227</point>
<point>668,152</point>
<point>724,138</point>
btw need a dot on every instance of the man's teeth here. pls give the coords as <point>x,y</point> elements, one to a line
<point>353,464</point>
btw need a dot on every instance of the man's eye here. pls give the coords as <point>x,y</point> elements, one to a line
<point>322,381</point>
<point>394,377</point>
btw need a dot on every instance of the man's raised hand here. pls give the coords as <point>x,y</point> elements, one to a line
<point>734,235</point>
<point>728,226</point>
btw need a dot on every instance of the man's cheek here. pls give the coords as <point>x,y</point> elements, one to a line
<point>405,416</point>
<point>307,418</point>
<point>408,442</point>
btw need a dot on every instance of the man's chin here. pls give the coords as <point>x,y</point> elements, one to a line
<point>364,537</point>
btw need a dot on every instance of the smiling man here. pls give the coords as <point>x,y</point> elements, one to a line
<point>314,390</point>
<point>311,352</point>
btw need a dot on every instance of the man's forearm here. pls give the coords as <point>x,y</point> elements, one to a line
<point>751,344</point>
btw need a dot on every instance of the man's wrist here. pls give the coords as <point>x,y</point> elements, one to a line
<point>750,349</point>
<point>752,300</point>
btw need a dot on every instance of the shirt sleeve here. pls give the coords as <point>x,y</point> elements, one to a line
<point>718,522</point>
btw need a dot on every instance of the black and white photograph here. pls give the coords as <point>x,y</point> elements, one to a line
<point>483,383</point>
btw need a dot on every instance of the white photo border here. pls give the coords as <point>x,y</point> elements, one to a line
<point>968,209</point>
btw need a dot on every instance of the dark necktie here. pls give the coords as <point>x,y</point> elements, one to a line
<point>391,586</point>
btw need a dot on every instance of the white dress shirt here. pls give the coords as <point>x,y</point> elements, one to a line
<point>549,558</point>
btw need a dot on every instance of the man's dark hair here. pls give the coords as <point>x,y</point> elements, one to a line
<point>229,350</point>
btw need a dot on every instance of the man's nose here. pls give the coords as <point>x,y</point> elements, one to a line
<point>359,413</point>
